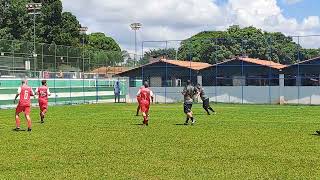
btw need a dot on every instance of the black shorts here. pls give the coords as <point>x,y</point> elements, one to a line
<point>205,103</point>
<point>187,108</point>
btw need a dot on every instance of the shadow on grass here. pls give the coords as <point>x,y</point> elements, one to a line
<point>198,114</point>
<point>180,124</point>
<point>315,134</point>
<point>38,122</point>
<point>18,130</point>
<point>140,124</point>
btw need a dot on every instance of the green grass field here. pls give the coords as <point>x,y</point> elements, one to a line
<point>105,142</point>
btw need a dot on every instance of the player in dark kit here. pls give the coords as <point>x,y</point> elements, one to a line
<point>205,100</point>
<point>188,92</point>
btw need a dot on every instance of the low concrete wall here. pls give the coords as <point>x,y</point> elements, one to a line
<point>242,94</point>
<point>65,91</point>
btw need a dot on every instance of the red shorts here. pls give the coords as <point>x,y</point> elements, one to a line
<point>25,109</point>
<point>144,107</point>
<point>43,106</point>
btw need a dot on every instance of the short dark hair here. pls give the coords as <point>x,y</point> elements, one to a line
<point>146,84</point>
<point>24,81</point>
<point>188,82</point>
<point>43,82</point>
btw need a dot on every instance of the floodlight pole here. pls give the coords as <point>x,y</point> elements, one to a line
<point>33,9</point>
<point>83,30</point>
<point>135,45</point>
<point>135,27</point>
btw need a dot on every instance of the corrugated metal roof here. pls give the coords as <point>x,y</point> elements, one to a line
<point>187,64</point>
<point>305,61</point>
<point>267,63</point>
<point>105,70</point>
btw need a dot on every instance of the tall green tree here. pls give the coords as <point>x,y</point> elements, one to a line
<point>69,30</point>
<point>104,50</point>
<point>56,26</point>
<point>169,53</point>
<point>103,42</point>
<point>13,19</point>
<point>216,46</point>
<point>52,26</point>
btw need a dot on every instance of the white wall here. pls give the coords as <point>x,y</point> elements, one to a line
<point>307,95</point>
<point>162,94</point>
<point>241,94</point>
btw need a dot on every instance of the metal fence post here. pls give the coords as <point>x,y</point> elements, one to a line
<point>13,59</point>
<point>242,75</point>
<point>70,84</point>
<point>216,75</point>
<point>269,43</point>
<point>55,70</point>
<point>166,80</point>
<point>298,75</point>
<point>42,59</point>
<point>83,78</point>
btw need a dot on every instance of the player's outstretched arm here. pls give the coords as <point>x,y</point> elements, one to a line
<point>17,95</point>
<point>32,93</point>
<point>15,99</point>
<point>151,96</point>
<point>36,92</point>
<point>49,93</point>
<point>138,93</point>
<point>184,91</point>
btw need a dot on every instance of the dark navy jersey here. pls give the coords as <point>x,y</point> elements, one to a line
<point>189,92</point>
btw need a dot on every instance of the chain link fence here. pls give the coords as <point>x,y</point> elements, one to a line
<point>18,60</point>
<point>74,74</point>
<point>274,70</point>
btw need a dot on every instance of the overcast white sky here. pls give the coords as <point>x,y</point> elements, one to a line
<point>179,19</point>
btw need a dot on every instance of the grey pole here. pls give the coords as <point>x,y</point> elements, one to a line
<point>32,9</point>
<point>34,40</point>
<point>83,56</point>
<point>135,27</point>
<point>135,47</point>
<point>83,31</point>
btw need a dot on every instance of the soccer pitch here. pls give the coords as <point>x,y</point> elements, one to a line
<point>105,141</point>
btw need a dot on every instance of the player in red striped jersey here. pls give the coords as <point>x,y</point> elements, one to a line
<point>145,98</point>
<point>24,105</point>
<point>43,93</point>
<point>138,100</point>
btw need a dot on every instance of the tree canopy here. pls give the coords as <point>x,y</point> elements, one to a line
<point>169,53</point>
<point>101,41</point>
<point>216,46</point>
<point>53,26</point>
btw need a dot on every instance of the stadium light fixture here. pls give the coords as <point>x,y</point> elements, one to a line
<point>135,27</point>
<point>62,59</point>
<point>34,9</point>
<point>83,30</point>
